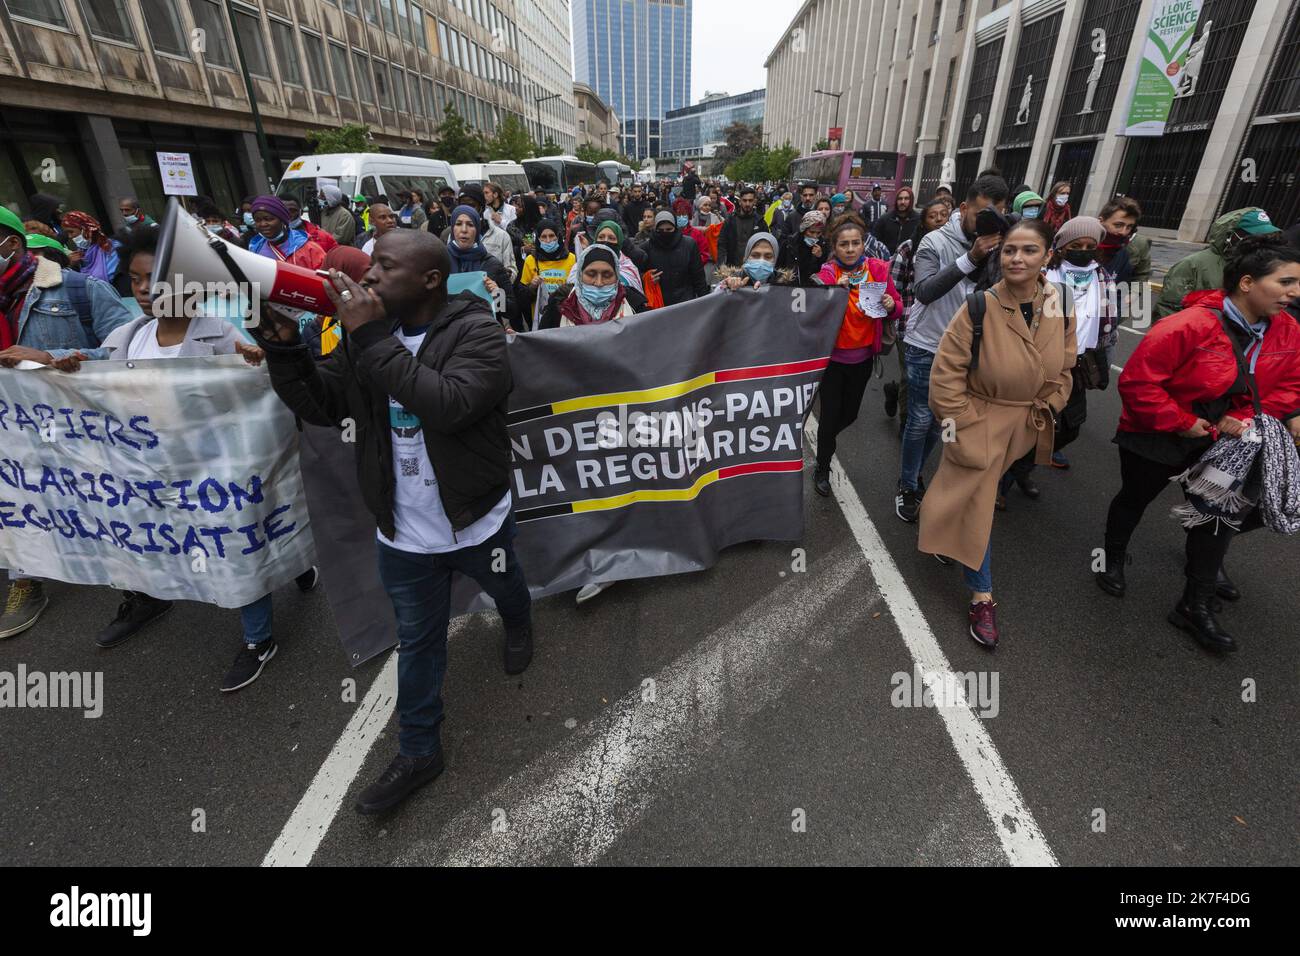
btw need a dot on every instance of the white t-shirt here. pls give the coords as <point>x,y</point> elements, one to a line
<point>421,522</point>
<point>1085,286</point>
<point>144,344</point>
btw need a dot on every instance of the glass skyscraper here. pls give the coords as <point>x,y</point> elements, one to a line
<point>637,55</point>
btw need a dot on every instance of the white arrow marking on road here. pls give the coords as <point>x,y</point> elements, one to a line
<point>575,802</point>
<point>1021,839</point>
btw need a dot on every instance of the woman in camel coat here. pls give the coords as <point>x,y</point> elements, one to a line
<point>996,413</point>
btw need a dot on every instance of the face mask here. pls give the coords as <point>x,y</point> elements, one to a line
<point>4,263</point>
<point>296,224</point>
<point>682,221</point>
<point>215,230</point>
<point>1062,199</point>
<point>1030,212</point>
<point>248,219</point>
<point>81,242</point>
<point>760,270</point>
<point>599,297</point>
<point>130,220</point>
<point>283,234</point>
<point>787,205</point>
<point>837,210</point>
<point>591,220</point>
<point>1080,257</point>
<point>550,246</point>
<point>812,240</point>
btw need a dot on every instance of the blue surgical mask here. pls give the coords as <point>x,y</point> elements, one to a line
<point>550,246</point>
<point>248,219</point>
<point>683,221</point>
<point>296,224</point>
<point>1062,199</point>
<point>837,210</point>
<point>812,240</point>
<point>598,297</point>
<point>1030,212</point>
<point>131,220</point>
<point>591,220</point>
<point>280,237</point>
<point>215,230</point>
<point>81,242</point>
<point>760,270</point>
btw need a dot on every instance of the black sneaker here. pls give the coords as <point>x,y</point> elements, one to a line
<point>133,613</point>
<point>891,399</point>
<point>822,482</point>
<point>403,777</point>
<point>308,580</point>
<point>907,504</point>
<point>518,652</point>
<point>248,664</point>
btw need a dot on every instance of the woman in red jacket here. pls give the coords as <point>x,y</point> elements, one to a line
<point>1183,387</point>
<point>872,300</point>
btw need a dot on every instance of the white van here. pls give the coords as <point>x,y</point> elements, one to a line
<point>509,176</point>
<point>367,174</point>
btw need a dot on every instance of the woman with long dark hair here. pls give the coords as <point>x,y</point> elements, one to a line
<point>1057,211</point>
<point>1205,372</point>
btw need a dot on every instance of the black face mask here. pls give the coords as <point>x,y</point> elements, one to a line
<point>1079,257</point>
<point>664,240</point>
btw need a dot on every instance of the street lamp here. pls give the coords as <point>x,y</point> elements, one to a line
<point>262,145</point>
<point>539,100</point>
<point>837,104</point>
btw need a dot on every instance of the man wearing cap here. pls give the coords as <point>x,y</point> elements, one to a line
<point>874,209</point>
<point>440,212</point>
<point>1204,269</point>
<point>337,218</point>
<point>52,316</point>
<point>361,210</point>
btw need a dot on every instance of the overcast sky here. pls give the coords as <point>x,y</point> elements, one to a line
<point>730,41</point>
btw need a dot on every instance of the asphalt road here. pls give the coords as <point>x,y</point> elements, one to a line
<point>739,715</point>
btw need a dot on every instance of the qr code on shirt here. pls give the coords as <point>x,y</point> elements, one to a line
<point>410,467</point>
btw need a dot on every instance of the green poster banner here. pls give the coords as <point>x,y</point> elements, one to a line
<point>1170,67</point>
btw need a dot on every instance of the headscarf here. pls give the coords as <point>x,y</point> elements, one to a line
<point>810,219</point>
<point>575,307</point>
<point>471,259</point>
<point>611,224</point>
<point>349,260</point>
<point>540,254</point>
<point>89,227</point>
<point>763,237</point>
<point>659,239</point>
<point>276,207</point>
<point>1023,199</point>
<point>333,197</point>
<point>294,239</point>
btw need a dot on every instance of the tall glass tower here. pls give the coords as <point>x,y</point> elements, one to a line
<point>637,55</point>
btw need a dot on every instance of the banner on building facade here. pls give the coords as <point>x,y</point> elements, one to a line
<point>642,447</point>
<point>1169,68</point>
<point>178,478</point>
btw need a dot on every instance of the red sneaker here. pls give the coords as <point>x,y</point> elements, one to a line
<point>984,623</point>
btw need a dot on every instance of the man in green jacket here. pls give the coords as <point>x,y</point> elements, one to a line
<point>1204,269</point>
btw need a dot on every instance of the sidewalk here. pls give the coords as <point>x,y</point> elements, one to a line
<point>1166,252</point>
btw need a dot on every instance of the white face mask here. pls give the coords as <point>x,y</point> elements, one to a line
<point>1062,199</point>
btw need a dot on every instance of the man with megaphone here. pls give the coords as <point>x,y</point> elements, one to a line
<point>435,476</point>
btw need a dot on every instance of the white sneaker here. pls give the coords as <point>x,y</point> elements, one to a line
<point>590,591</point>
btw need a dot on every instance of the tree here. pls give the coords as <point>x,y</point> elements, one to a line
<point>820,145</point>
<point>511,141</point>
<point>352,138</point>
<point>779,160</point>
<point>456,142</point>
<point>739,138</point>
<point>549,147</point>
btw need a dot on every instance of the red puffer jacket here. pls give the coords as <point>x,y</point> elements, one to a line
<point>1187,358</point>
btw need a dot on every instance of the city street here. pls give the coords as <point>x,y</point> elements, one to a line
<point>743,714</point>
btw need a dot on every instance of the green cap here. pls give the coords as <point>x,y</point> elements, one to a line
<point>1024,198</point>
<point>358,198</point>
<point>1257,223</point>
<point>9,219</point>
<point>37,241</point>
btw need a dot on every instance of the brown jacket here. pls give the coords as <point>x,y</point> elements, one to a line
<point>999,412</point>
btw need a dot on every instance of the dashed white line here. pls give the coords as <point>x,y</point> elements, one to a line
<point>1022,840</point>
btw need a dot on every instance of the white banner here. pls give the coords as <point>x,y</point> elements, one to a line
<point>175,477</point>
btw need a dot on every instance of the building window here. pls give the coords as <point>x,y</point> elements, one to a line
<point>417,97</point>
<point>250,38</point>
<point>209,18</point>
<point>430,103</point>
<point>369,7</point>
<point>382,85</point>
<point>403,21</point>
<point>286,53</point>
<point>418,28</point>
<point>455,48</point>
<point>442,41</point>
<point>108,19</point>
<point>961,13</point>
<point>350,6</point>
<point>365,87</point>
<point>42,11</point>
<point>315,48</point>
<point>399,90</point>
<point>387,7</point>
<point>339,61</point>
<point>165,27</point>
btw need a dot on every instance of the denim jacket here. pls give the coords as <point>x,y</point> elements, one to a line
<point>49,320</point>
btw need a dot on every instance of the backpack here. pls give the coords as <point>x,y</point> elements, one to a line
<point>975,307</point>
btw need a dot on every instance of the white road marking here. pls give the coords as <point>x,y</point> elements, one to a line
<point>1117,368</point>
<point>574,802</point>
<point>1138,333</point>
<point>311,819</point>
<point>1021,838</point>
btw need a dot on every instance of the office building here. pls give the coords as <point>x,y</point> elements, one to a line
<point>697,131</point>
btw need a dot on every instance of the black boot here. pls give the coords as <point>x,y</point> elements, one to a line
<point>1224,588</point>
<point>891,399</point>
<point>1111,578</point>
<point>822,481</point>
<point>1194,615</point>
<point>1027,486</point>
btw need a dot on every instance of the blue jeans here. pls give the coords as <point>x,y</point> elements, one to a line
<point>419,585</point>
<point>922,431</point>
<point>981,581</point>
<point>256,618</point>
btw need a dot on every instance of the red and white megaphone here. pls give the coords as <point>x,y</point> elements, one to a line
<point>188,253</point>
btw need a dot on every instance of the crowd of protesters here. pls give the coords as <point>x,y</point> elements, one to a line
<point>1002,306</point>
